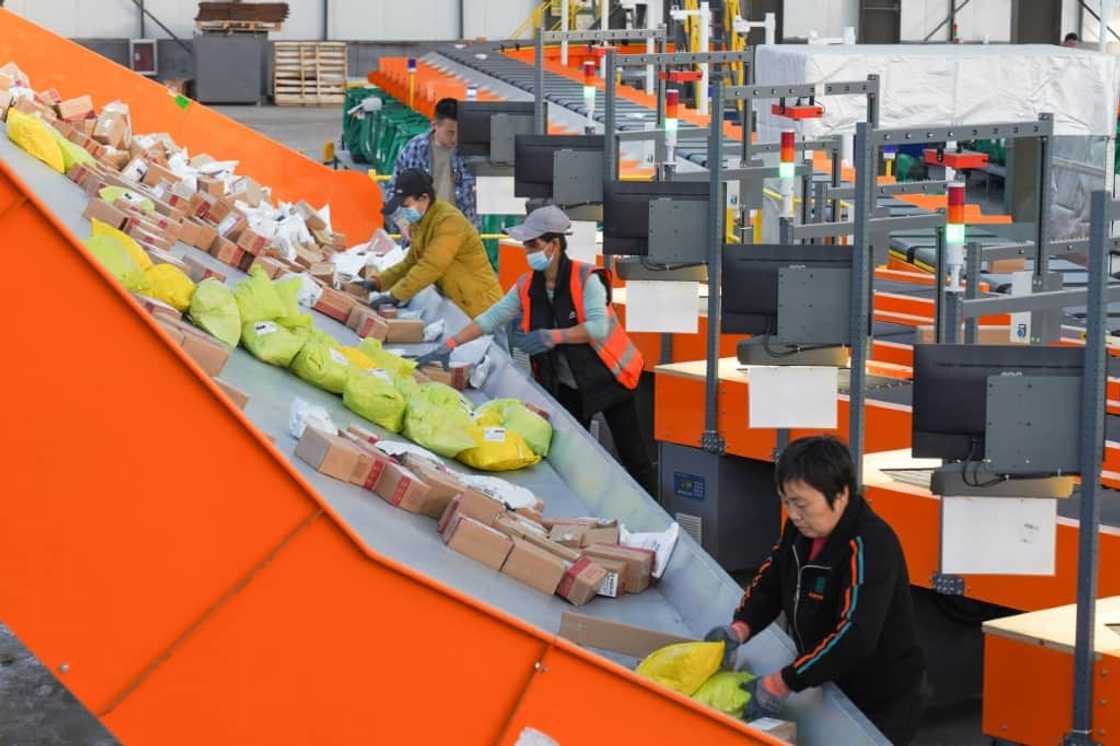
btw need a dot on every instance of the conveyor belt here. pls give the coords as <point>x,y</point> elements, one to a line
<point>579,478</point>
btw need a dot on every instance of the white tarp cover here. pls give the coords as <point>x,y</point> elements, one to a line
<point>947,84</point>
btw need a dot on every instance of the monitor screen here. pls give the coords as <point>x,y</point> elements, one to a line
<point>749,284</point>
<point>626,211</point>
<point>951,390</point>
<point>534,160</point>
<point>474,123</point>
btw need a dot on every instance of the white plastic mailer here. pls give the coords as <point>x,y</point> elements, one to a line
<point>788,396</point>
<point>666,307</point>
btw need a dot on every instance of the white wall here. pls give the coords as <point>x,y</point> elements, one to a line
<point>827,17</point>
<point>974,21</point>
<point>351,20</point>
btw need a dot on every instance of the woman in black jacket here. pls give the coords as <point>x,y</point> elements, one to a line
<point>839,576</point>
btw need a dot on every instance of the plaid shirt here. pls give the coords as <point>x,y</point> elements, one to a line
<point>417,153</point>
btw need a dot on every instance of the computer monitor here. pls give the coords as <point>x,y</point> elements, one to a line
<point>950,397</point>
<point>749,284</point>
<point>474,123</point>
<point>626,211</point>
<point>534,159</point>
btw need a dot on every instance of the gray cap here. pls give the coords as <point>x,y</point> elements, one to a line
<point>548,219</point>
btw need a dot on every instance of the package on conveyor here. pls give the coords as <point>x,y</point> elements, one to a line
<point>443,484</point>
<point>113,126</point>
<point>365,322</point>
<point>239,398</point>
<point>335,304</point>
<point>472,504</point>
<point>106,213</point>
<point>333,455</point>
<point>535,566</point>
<point>476,540</point>
<point>578,533</point>
<point>456,375</point>
<point>638,564</point>
<point>361,435</point>
<point>583,579</point>
<point>158,308</point>
<point>210,354</point>
<point>76,108</point>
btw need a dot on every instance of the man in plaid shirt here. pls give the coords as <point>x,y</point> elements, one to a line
<point>434,153</point>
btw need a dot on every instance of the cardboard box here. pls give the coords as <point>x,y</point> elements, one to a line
<point>75,108</point>
<point>400,487</point>
<point>158,308</point>
<point>156,174</point>
<point>457,376</point>
<point>269,266</point>
<point>210,354</point>
<point>307,257</point>
<point>233,226</point>
<point>371,467</point>
<point>367,323</point>
<point>356,289</point>
<point>443,485</point>
<point>534,566</point>
<point>6,81</point>
<point>310,216</point>
<point>639,564</point>
<point>236,395</point>
<point>565,553</point>
<point>612,585</point>
<point>472,504</point>
<point>568,535</point>
<point>600,535</point>
<point>784,730</point>
<point>226,251</point>
<point>213,187</point>
<point>110,129</point>
<point>49,96</point>
<point>113,158</point>
<point>324,272</point>
<point>479,542</point>
<point>159,256</point>
<point>581,582</point>
<point>335,304</point>
<point>218,210</point>
<point>616,637</point>
<point>511,524</point>
<point>252,242</point>
<point>106,213</point>
<point>362,434</point>
<point>328,454</point>
<point>14,74</point>
<point>246,262</point>
<point>404,331</point>
<point>173,328</point>
<point>206,234</point>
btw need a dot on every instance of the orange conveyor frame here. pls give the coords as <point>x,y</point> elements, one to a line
<point>178,575</point>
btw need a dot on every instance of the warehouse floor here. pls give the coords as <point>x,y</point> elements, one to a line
<point>35,710</point>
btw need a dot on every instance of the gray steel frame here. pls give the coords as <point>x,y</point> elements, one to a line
<point>869,141</point>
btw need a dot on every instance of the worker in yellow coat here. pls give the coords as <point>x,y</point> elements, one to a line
<point>445,251</point>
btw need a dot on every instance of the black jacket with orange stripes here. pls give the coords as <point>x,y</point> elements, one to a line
<point>849,610</point>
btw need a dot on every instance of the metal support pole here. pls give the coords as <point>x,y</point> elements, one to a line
<point>972,288</point>
<point>820,187</point>
<point>873,103</point>
<point>610,124</point>
<point>143,28</point>
<point>837,179</point>
<point>1092,444</point>
<point>952,323</point>
<point>564,29</point>
<point>861,292</point>
<point>939,287</point>
<point>540,113</point>
<point>711,440</point>
<point>806,189</point>
<point>1042,256</point>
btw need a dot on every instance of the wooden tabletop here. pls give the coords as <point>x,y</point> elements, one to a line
<point>1055,628</point>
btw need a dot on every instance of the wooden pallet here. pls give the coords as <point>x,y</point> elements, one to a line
<point>308,73</point>
<point>237,27</point>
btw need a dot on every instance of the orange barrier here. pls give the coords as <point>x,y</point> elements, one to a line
<point>54,62</point>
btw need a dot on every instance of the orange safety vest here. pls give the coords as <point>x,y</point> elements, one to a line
<point>617,352</point>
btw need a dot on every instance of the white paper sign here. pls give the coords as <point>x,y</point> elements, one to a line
<point>1021,322</point>
<point>657,306</point>
<point>998,535</point>
<point>582,245</point>
<point>495,196</point>
<point>788,396</point>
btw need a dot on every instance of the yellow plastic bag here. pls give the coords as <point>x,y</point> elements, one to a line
<point>683,666</point>
<point>71,152</point>
<point>34,135</point>
<point>116,260</point>
<point>395,364</point>
<point>498,449</point>
<point>257,299</point>
<point>128,242</point>
<point>171,285</point>
<point>724,692</point>
<point>111,194</point>
<point>320,364</point>
<point>357,358</point>
<point>372,394</point>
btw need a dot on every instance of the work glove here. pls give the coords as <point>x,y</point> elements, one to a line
<point>767,695</point>
<point>539,341</point>
<point>732,638</point>
<point>377,300</point>
<point>370,285</point>
<point>440,355</point>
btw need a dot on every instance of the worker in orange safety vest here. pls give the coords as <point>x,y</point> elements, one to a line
<point>578,349</point>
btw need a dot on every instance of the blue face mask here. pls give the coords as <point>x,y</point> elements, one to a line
<point>538,260</point>
<point>410,215</point>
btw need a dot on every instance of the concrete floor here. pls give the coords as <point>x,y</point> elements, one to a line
<point>35,710</point>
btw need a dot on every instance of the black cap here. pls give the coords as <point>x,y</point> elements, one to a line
<point>412,182</point>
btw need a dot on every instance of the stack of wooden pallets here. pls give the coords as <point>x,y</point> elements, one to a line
<point>309,73</point>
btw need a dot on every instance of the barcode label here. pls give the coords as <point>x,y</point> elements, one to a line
<point>609,586</point>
